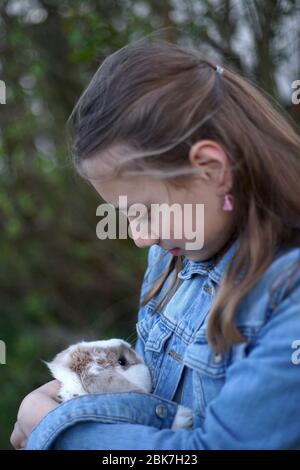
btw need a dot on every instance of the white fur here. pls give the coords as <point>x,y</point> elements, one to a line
<point>70,382</point>
<point>183,418</point>
<point>139,375</point>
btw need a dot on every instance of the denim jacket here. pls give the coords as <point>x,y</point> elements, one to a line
<point>246,398</point>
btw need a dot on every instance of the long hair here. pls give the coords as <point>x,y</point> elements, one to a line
<point>158,99</point>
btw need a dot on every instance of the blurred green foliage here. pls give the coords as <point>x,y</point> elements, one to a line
<point>59,283</point>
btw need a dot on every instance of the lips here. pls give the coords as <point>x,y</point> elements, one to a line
<point>175,251</point>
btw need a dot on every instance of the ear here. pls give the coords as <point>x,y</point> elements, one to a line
<point>50,366</point>
<point>212,161</point>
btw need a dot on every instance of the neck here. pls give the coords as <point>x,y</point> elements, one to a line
<point>224,248</point>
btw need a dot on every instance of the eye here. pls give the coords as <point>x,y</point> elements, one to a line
<point>122,361</point>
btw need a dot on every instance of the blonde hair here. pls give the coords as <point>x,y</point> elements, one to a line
<point>158,99</point>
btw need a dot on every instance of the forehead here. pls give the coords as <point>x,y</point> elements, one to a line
<point>144,189</point>
<point>138,189</point>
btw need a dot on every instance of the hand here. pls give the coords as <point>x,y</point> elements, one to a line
<point>32,409</point>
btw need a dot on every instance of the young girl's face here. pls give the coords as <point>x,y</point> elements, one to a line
<point>199,219</point>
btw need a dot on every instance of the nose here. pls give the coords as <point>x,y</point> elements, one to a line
<point>144,239</point>
<point>142,243</point>
<point>145,236</point>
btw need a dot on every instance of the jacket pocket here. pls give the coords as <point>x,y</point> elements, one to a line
<point>154,334</point>
<point>208,372</point>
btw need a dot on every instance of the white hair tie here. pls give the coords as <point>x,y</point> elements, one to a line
<point>219,70</point>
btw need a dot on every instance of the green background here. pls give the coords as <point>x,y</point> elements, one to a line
<point>58,282</point>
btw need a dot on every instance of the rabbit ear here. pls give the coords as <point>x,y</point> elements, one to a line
<point>107,381</point>
<point>49,365</point>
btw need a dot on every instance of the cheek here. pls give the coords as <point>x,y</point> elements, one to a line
<point>158,224</point>
<point>201,223</point>
<point>189,223</point>
<point>215,221</point>
<point>144,228</point>
<point>177,228</point>
<point>168,222</point>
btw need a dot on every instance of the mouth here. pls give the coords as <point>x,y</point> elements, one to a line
<point>175,251</point>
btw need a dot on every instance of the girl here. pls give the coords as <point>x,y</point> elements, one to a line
<point>219,326</point>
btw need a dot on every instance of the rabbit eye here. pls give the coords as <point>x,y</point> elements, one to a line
<point>122,361</point>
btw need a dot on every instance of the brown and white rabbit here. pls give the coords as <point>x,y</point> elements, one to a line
<point>107,366</point>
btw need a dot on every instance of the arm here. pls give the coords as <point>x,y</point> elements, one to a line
<point>257,408</point>
<point>32,409</point>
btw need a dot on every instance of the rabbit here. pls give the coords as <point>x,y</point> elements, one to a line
<point>107,366</point>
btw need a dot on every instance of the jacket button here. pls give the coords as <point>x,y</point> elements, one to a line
<point>217,358</point>
<point>207,289</point>
<point>161,411</point>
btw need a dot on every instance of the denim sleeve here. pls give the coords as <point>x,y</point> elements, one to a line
<point>129,408</point>
<point>258,407</point>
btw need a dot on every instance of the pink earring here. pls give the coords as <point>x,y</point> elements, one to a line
<point>228,202</point>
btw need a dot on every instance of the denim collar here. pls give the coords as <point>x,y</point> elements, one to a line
<point>208,267</point>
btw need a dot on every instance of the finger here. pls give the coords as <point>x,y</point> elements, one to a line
<point>18,437</point>
<point>51,389</point>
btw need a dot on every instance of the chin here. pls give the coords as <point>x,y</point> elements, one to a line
<point>196,256</point>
